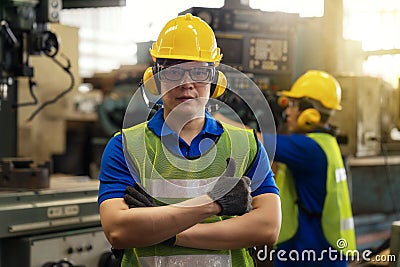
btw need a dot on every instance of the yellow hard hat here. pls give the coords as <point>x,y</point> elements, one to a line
<point>187,37</point>
<point>317,85</point>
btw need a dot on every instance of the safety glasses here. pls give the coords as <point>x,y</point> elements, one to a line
<point>198,74</point>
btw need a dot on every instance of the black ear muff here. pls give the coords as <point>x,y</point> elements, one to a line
<point>308,119</point>
<point>219,85</point>
<point>150,80</point>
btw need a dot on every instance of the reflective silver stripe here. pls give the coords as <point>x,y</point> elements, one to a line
<point>176,188</point>
<point>347,224</point>
<point>340,175</point>
<point>222,260</point>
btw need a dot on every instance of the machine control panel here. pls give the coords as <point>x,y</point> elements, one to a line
<point>63,211</point>
<point>268,54</point>
<point>252,40</point>
<point>84,247</point>
<point>245,19</point>
<point>256,53</point>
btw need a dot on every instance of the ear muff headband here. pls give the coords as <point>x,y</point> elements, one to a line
<point>152,83</point>
<point>308,119</point>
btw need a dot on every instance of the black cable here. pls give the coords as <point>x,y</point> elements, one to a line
<point>55,99</point>
<point>32,85</point>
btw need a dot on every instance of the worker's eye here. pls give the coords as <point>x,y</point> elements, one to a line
<point>200,74</point>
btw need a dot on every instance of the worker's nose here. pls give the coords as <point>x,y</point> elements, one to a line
<point>186,77</point>
<point>187,81</point>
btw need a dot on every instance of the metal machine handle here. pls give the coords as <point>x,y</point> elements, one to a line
<point>9,33</point>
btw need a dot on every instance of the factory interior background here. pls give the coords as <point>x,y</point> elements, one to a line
<point>73,85</point>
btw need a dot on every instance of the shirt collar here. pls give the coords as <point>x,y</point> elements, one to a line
<point>157,126</point>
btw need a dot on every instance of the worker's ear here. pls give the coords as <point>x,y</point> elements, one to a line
<point>151,81</point>
<point>219,85</point>
<point>308,119</point>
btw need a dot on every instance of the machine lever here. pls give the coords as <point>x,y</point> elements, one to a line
<point>6,28</point>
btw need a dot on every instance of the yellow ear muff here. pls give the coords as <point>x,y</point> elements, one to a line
<point>308,119</point>
<point>218,88</point>
<point>149,81</point>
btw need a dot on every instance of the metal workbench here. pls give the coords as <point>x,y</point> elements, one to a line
<point>48,225</point>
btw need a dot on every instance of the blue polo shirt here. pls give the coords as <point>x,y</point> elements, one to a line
<point>115,175</point>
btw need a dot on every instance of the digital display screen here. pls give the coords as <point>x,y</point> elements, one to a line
<point>232,49</point>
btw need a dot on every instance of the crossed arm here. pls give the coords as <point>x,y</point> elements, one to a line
<point>139,227</point>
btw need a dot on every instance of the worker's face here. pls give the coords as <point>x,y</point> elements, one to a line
<point>292,113</point>
<point>185,88</point>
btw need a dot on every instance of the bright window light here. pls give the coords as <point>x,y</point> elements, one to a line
<point>375,23</point>
<point>305,8</point>
<point>108,36</point>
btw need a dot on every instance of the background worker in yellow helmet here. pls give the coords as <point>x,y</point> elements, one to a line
<point>316,211</point>
<point>183,189</point>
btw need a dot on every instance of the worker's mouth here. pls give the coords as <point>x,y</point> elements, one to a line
<point>184,99</point>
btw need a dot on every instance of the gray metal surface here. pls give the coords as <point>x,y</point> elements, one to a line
<point>361,125</point>
<point>375,184</point>
<point>69,203</point>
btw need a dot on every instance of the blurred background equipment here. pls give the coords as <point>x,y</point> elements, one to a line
<point>24,32</point>
<point>44,221</point>
<point>21,173</point>
<point>86,62</point>
<point>366,131</point>
<point>261,45</point>
<point>59,223</point>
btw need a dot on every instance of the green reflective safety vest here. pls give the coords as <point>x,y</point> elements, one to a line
<point>337,219</point>
<point>171,178</point>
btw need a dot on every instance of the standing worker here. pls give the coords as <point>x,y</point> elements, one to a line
<point>316,210</point>
<point>183,189</point>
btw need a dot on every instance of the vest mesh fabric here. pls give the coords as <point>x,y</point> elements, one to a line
<point>337,207</point>
<point>155,163</point>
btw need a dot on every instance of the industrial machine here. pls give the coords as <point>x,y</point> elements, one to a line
<point>59,225</point>
<point>44,222</point>
<point>24,33</point>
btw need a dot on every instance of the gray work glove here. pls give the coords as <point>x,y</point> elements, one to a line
<point>232,194</point>
<point>137,197</point>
